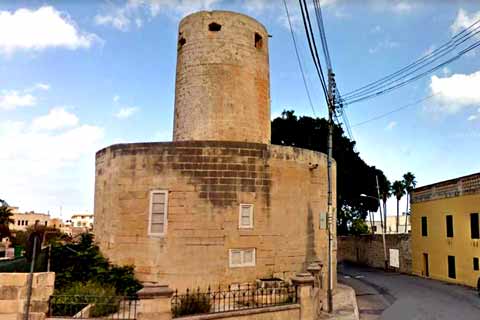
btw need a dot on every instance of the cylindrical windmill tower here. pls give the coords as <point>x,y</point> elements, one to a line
<point>222,84</point>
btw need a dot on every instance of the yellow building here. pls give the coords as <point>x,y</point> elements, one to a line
<point>445,230</point>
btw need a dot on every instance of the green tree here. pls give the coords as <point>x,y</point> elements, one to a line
<point>83,262</point>
<point>410,182</point>
<point>354,176</point>
<point>385,187</point>
<point>5,219</point>
<point>398,189</point>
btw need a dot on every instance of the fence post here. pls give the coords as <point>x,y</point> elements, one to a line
<point>304,284</point>
<point>155,303</point>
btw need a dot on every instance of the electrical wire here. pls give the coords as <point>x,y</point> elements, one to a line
<point>446,48</point>
<point>411,72</point>
<point>313,48</point>
<point>383,115</point>
<point>421,75</point>
<point>298,58</point>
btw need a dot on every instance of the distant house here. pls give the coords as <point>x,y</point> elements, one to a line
<point>21,221</point>
<point>80,223</point>
<point>391,225</point>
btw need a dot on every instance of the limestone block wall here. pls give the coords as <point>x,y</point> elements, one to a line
<point>368,250</point>
<point>222,89</point>
<point>13,291</point>
<point>206,183</point>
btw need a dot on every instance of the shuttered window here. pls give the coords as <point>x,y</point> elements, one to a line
<point>158,213</point>
<point>246,216</point>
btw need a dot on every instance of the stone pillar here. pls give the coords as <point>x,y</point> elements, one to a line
<point>319,286</point>
<point>155,303</point>
<point>304,283</point>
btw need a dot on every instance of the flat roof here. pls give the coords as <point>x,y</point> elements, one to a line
<point>446,182</point>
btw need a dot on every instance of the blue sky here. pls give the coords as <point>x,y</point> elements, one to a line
<point>76,76</point>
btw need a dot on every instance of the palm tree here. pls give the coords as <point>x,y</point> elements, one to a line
<point>398,189</point>
<point>5,218</point>
<point>410,183</point>
<point>385,193</point>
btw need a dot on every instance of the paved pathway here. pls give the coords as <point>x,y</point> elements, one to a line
<point>393,296</point>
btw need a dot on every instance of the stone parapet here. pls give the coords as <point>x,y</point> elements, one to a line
<point>13,291</point>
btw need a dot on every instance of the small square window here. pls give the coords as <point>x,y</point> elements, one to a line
<point>242,258</point>
<point>246,216</point>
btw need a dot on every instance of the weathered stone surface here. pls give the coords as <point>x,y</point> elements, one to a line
<point>368,250</point>
<point>207,181</point>
<point>222,84</point>
<point>13,289</point>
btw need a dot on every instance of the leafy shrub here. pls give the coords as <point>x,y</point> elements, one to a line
<point>83,262</point>
<point>69,301</point>
<point>192,304</point>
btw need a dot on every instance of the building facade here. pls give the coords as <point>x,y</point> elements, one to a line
<point>219,204</point>
<point>445,230</point>
<point>22,220</point>
<point>391,225</point>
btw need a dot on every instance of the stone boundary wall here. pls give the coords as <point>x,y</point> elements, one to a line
<point>13,290</point>
<point>368,250</point>
<point>287,312</point>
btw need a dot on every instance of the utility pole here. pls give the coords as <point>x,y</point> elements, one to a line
<point>331,112</point>
<point>384,223</point>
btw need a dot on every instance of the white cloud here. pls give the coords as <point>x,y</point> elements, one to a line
<point>403,6</point>
<point>472,117</point>
<point>12,99</point>
<point>42,86</point>
<point>42,170</point>
<point>391,125</point>
<point>446,71</point>
<point>116,98</point>
<point>384,44</point>
<point>136,11</point>
<point>57,118</point>
<point>40,29</point>
<point>456,91</point>
<point>126,112</point>
<point>464,20</point>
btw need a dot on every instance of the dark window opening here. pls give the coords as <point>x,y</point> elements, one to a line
<point>474,227</point>
<point>451,267</point>
<point>181,42</point>
<point>426,270</point>
<point>424,227</point>
<point>258,41</point>
<point>449,226</point>
<point>475,264</point>
<point>215,27</point>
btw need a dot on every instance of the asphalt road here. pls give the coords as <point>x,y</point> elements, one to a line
<point>393,296</point>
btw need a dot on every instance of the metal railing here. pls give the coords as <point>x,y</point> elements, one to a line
<point>231,299</point>
<point>87,307</point>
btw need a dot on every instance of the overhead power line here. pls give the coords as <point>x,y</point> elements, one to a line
<point>450,45</point>
<point>383,115</point>
<point>313,48</point>
<point>394,81</point>
<point>421,75</point>
<point>298,58</point>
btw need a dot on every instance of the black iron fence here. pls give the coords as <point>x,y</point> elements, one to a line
<point>86,307</point>
<point>232,299</point>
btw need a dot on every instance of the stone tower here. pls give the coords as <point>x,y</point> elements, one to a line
<point>222,84</point>
<point>219,205</point>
